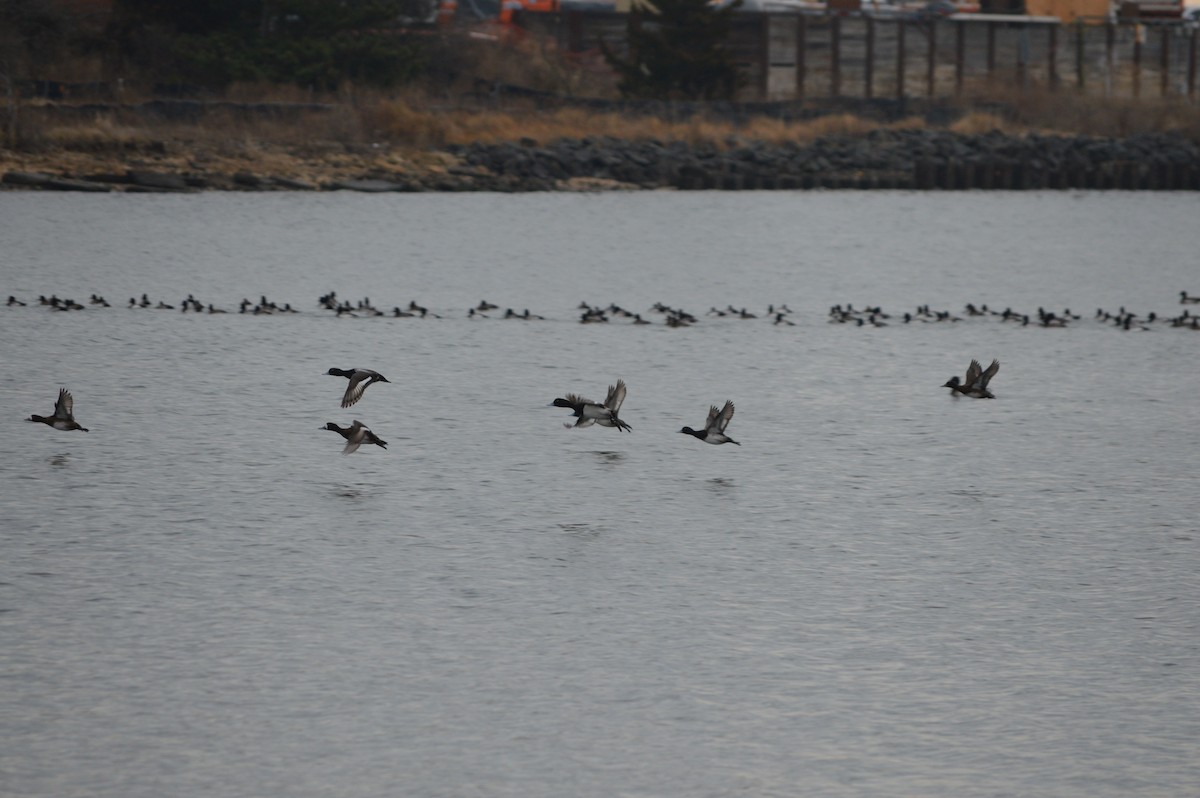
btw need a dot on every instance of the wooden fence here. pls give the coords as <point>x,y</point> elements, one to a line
<point>800,56</point>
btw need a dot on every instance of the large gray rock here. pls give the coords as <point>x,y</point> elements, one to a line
<point>370,186</point>
<point>25,178</point>
<point>68,184</point>
<point>163,181</point>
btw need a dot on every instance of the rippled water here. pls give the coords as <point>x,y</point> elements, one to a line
<point>883,591</point>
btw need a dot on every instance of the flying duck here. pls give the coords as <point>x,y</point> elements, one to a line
<point>976,383</point>
<point>63,417</point>
<point>714,426</point>
<point>356,435</point>
<point>359,380</point>
<point>589,412</point>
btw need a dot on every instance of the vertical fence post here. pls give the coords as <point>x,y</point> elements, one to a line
<point>574,32</point>
<point>1191,72</point>
<point>1079,61</point>
<point>1023,55</point>
<point>991,48</point>
<point>1052,56</point>
<point>931,68</point>
<point>1110,45</point>
<point>801,52</point>
<point>835,56</point>
<point>1137,61</point>
<point>764,57</point>
<point>960,55</point>
<point>1164,79</point>
<point>900,26</point>
<point>869,71</point>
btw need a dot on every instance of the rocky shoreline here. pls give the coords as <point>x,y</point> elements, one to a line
<point>885,158</point>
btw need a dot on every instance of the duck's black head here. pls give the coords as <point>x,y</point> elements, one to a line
<point>690,431</point>
<point>560,402</point>
<point>329,425</point>
<point>339,372</point>
<point>952,383</point>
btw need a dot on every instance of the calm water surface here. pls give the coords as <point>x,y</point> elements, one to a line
<point>883,591</point>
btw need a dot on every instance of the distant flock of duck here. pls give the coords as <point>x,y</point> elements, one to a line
<point>873,316</point>
<point>975,384</point>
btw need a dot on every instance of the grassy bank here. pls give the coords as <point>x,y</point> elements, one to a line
<point>356,134</point>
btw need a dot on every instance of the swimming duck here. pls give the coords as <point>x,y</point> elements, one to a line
<point>359,380</point>
<point>593,316</point>
<point>714,426</point>
<point>976,383</point>
<point>63,417</point>
<point>1184,299</point>
<point>12,300</point>
<point>589,412</point>
<point>356,435</point>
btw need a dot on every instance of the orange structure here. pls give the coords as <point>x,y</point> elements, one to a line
<point>510,7</point>
<point>1069,10</point>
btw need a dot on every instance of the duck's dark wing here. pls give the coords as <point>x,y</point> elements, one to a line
<point>616,396</point>
<point>973,372</point>
<point>358,432</point>
<point>354,391</point>
<point>65,405</point>
<point>725,415</point>
<point>713,412</point>
<point>986,377</point>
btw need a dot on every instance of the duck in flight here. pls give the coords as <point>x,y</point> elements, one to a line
<point>976,382</point>
<point>356,435</point>
<point>359,380</point>
<point>714,426</point>
<point>64,417</point>
<point>589,412</point>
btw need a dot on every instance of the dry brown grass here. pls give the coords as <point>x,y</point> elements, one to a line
<point>417,122</point>
<point>101,134</point>
<point>974,123</point>
<point>1069,112</point>
<point>401,124</point>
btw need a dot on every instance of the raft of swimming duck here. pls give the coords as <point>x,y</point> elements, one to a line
<point>659,313</point>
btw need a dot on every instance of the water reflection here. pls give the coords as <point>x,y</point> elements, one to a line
<point>722,484</point>
<point>610,458</point>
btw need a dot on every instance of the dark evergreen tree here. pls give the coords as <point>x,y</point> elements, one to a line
<point>677,51</point>
<point>311,43</point>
